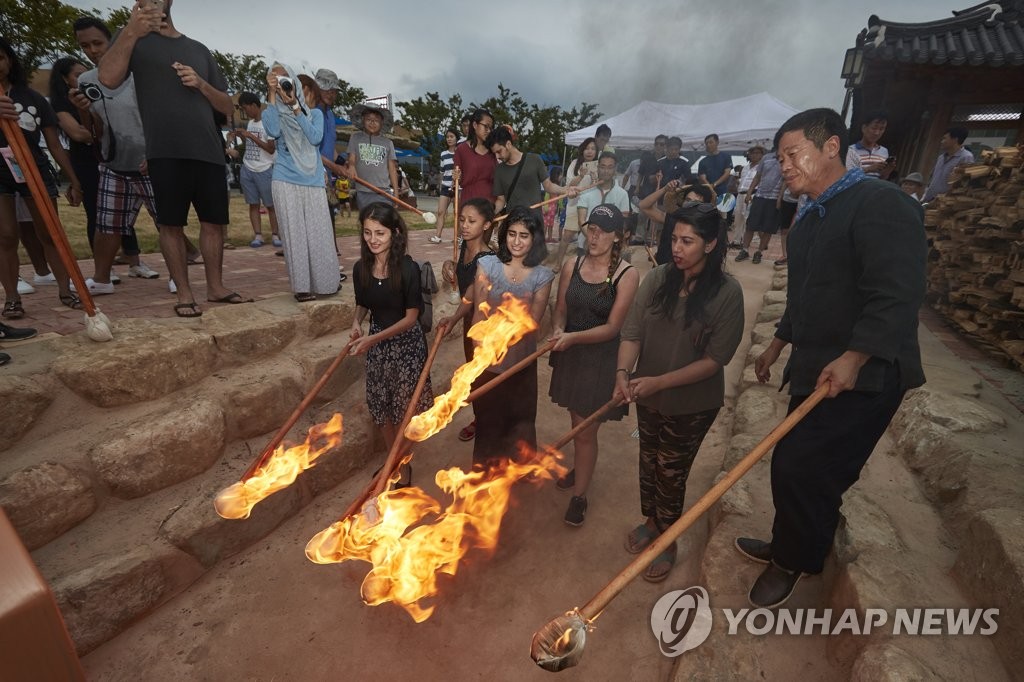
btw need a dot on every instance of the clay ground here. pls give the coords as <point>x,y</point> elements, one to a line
<point>270,614</point>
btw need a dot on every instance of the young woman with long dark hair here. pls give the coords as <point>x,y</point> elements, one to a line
<point>387,288</point>
<point>475,161</point>
<point>682,329</point>
<point>507,414</point>
<point>37,120</point>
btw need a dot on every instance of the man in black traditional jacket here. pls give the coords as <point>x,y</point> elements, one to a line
<point>856,281</point>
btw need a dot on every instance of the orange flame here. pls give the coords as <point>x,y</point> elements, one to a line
<point>509,323</point>
<point>406,562</point>
<point>280,471</point>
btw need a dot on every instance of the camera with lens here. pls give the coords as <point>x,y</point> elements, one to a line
<point>286,84</point>
<point>92,92</point>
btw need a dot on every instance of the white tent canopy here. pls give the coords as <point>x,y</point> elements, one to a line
<point>738,122</point>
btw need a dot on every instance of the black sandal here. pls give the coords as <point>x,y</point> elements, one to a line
<point>13,310</point>
<point>72,301</point>
<point>304,297</point>
<point>181,310</point>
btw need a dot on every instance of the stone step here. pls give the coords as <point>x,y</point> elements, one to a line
<point>892,550</point>
<point>165,540</point>
<point>148,360</point>
<point>140,434</point>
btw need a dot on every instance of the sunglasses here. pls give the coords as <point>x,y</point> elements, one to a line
<point>699,207</point>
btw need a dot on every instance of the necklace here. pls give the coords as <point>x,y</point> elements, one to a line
<point>514,275</point>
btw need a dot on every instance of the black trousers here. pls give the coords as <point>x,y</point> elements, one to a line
<point>816,462</point>
<point>505,417</point>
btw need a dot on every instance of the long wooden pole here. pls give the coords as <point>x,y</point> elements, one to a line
<point>638,565</point>
<point>456,176</point>
<point>387,195</point>
<point>525,362</point>
<point>537,205</point>
<point>575,431</point>
<point>294,417</point>
<point>48,212</point>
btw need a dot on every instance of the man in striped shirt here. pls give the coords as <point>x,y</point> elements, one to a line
<point>868,154</point>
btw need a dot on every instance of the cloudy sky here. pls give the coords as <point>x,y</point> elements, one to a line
<point>557,51</point>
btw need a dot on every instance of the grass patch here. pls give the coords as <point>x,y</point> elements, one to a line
<point>239,230</point>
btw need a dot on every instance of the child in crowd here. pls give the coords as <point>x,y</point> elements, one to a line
<point>475,225</point>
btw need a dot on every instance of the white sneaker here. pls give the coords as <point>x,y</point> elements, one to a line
<point>95,288</point>
<point>44,280</point>
<point>172,287</point>
<point>25,288</point>
<point>434,240</point>
<point>114,279</point>
<point>142,271</point>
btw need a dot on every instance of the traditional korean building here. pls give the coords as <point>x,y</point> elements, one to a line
<point>965,70</point>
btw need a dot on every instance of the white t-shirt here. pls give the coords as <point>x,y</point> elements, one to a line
<point>256,158</point>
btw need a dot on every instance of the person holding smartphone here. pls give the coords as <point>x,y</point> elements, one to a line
<point>180,89</point>
<point>867,154</point>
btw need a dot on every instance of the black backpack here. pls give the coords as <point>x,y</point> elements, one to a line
<point>428,287</point>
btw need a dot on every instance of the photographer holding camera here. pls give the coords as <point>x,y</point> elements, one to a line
<point>112,118</point>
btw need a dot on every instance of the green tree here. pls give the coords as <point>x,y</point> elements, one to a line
<point>243,72</point>
<point>38,30</point>
<point>431,115</point>
<point>348,96</point>
<point>117,18</point>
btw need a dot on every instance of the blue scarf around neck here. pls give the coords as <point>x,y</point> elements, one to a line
<point>849,179</point>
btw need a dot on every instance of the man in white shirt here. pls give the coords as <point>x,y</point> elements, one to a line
<point>257,168</point>
<point>747,175</point>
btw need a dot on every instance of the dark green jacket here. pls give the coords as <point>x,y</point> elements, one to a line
<point>856,282</point>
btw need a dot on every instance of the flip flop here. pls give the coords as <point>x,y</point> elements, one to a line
<point>639,538</point>
<point>667,559</point>
<point>180,308</point>
<point>232,298</point>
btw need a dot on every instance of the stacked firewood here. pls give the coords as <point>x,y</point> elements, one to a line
<point>976,260</point>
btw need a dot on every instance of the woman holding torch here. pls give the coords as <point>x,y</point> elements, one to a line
<point>508,414</point>
<point>594,294</point>
<point>681,331</point>
<point>387,287</point>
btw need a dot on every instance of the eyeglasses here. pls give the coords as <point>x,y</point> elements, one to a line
<point>486,126</point>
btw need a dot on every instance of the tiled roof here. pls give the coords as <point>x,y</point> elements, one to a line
<point>988,33</point>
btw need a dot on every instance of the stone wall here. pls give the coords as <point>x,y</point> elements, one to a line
<point>113,453</point>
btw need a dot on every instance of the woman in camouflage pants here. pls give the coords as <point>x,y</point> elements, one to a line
<point>682,329</point>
